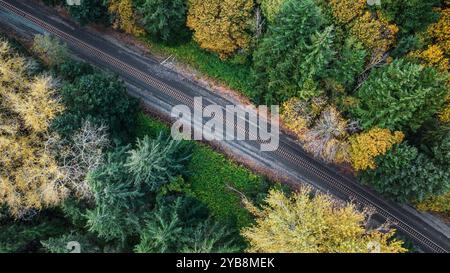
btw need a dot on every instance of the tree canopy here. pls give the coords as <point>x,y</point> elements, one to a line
<point>400,96</point>
<point>165,20</point>
<point>221,26</point>
<point>301,223</point>
<point>299,33</point>
<point>100,98</point>
<point>407,175</point>
<point>29,174</point>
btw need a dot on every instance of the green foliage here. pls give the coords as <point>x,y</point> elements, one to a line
<point>407,175</point>
<point>101,99</point>
<point>125,187</point>
<point>165,20</point>
<point>400,96</point>
<point>24,236</point>
<point>211,174</point>
<point>50,49</point>
<point>349,64</point>
<point>296,49</point>
<point>434,140</point>
<point>146,126</point>
<point>74,211</point>
<point>71,70</point>
<point>411,15</point>
<point>235,75</point>
<point>156,162</point>
<point>211,177</point>
<point>119,205</point>
<point>184,226</point>
<point>90,11</point>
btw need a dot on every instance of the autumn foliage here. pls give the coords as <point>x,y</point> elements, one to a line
<point>346,10</point>
<point>440,203</point>
<point>221,26</point>
<point>370,28</point>
<point>124,18</point>
<point>302,224</point>
<point>271,8</point>
<point>365,146</point>
<point>29,175</point>
<point>440,31</point>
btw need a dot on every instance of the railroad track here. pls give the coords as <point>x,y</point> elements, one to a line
<point>281,152</point>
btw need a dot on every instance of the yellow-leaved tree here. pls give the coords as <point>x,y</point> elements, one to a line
<point>364,147</point>
<point>437,53</point>
<point>221,26</point>
<point>29,174</point>
<point>432,56</point>
<point>124,16</point>
<point>344,11</point>
<point>439,203</point>
<point>271,8</point>
<point>319,224</point>
<point>440,31</point>
<point>297,115</point>
<point>375,33</point>
<point>370,28</point>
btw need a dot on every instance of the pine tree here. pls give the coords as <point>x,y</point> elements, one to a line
<point>400,96</point>
<point>156,162</point>
<point>407,175</point>
<point>126,186</point>
<point>174,227</point>
<point>293,54</point>
<point>165,20</point>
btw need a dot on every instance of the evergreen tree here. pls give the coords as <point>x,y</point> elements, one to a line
<point>66,244</point>
<point>400,96</point>
<point>295,51</point>
<point>165,20</point>
<point>349,64</point>
<point>90,11</point>
<point>24,236</point>
<point>412,17</point>
<point>407,175</point>
<point>71,70</point>
<point>101,99</point>
<point>118,204</point>
<point>173,227</point>
<point>125,188</point>
<point>156,162</point>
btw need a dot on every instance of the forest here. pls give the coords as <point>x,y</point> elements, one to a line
<point>362,86</point>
